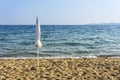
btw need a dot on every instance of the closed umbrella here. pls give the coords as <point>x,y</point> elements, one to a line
<point>38,43</point>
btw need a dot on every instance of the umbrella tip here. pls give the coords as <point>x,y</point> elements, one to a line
<point>37,18</point>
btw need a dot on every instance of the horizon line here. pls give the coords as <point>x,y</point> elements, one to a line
<point>97,23</point>
<point>70,24</point>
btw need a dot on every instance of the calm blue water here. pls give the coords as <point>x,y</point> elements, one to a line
<point>60,40</point>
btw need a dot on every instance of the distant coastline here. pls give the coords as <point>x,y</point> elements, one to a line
<point>103,23</point>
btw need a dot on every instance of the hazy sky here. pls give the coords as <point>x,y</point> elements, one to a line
<point>59,11</point>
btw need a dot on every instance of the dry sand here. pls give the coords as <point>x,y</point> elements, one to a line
<point>60,69</point>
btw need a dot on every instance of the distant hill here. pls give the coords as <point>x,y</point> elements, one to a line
<point>104,24</point>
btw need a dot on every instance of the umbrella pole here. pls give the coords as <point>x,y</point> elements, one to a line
<point>38,57</point>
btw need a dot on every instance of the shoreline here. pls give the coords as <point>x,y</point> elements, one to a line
<point>67,57</point>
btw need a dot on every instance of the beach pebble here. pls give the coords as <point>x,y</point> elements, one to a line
<point>33,68</point>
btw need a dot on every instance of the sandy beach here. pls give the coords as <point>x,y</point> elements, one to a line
<point>60,69</point>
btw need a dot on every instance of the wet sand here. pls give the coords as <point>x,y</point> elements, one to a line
<point>60,69</point>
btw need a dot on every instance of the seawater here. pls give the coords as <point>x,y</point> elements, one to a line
<point>60,40</point>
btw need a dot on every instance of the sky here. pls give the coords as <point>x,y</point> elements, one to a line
<point>59,12</point>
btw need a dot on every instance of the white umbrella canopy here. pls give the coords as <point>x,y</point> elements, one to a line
<point>38,43</point>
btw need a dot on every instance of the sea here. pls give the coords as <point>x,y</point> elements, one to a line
<point>60,41</point>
